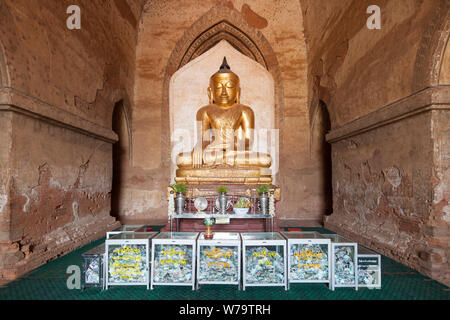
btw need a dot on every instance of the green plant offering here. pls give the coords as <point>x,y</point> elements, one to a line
<point>242,203</point>
<point>222,190</point>
<point>180,187</point>
<point>209,222</point>
<point>263,188</point>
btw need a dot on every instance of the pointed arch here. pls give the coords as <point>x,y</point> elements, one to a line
<point>220,23</point>
<point>4,78</point>
<point>223,30</point>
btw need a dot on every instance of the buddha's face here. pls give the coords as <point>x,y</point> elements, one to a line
<point>224,89</point>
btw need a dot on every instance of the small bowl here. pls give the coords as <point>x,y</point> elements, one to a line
<point>241,210</point>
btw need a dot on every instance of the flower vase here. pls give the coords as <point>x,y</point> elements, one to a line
<point>263,203</point>
<point>180,203</point>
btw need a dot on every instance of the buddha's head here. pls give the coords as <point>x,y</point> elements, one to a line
<point>224,87</point>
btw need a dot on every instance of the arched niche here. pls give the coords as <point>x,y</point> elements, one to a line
<point>219,23</point>
<point>188,93</point>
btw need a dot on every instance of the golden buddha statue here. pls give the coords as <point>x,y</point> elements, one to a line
<point>223,153</point>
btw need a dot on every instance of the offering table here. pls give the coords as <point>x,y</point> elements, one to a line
<point>191,219</point>
<point>247,222</point>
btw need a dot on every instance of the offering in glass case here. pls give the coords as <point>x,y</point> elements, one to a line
<point>344,261</point>
<point>218,260</point>
<point>173,259</point>
<point>264,259</point>
<point>127,263</point>
<point>308,257</point>
<point>127,260</point>
<point>93,264</point>
<point>369,268</point>
<point>344,265</point>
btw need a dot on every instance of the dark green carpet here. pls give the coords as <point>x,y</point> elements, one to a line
<point>49,282</point>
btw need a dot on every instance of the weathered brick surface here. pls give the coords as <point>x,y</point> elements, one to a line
<point>55,178</point>
<point>59,200</point>
<point>81,71</point>
<point>386,194</point>
<point>45,252</point>
<point>356,71</point>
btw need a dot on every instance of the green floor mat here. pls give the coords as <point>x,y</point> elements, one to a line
<point>49,282</point>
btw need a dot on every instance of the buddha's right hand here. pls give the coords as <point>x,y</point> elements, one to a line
<point>197,157</point>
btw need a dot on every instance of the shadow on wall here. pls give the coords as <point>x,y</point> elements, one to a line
<point>120,157</point>
<point>4,82</point>
<point>322,152</point>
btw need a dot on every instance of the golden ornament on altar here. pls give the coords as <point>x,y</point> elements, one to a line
<point>227,127</point>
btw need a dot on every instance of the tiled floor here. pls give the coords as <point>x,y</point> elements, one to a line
<point>49,282</point>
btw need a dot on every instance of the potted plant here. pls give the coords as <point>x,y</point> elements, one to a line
<point>242,206</point>
<point>263,200</point>
<point>222,189</point>
<point>222,199</point>
<point>180,199</point>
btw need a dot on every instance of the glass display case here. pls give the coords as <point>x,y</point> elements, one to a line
<point>369,268</point>
<point>308,257</point>
<point>127,258</point>
<point>219,259</point>
<point>93,267</point>
<point>264,259</point>
<point>344,261</point>
<point>173,259</point>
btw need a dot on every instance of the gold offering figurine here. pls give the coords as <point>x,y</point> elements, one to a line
<point>227,127</point>
<point>209,223</point>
